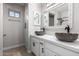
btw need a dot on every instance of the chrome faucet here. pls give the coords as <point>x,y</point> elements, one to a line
<point>67,28</point>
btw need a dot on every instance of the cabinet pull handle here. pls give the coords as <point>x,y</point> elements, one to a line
<point>33,43</point>
<point>41,43</point>
<point>42,50</point>
<point>4,35</point>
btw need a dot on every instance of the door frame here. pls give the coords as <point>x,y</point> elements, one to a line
<point>1,28</point>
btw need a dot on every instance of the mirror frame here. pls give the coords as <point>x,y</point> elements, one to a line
<point>70,14</point>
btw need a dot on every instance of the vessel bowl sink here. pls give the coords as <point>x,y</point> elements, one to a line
<point>40,33</point>
<point>68,37</point>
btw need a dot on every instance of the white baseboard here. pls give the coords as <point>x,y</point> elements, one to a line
<point>28,51</point>
<point>14,46</point>
<point>1,53</point>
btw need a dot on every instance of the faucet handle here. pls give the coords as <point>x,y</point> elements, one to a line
<point>67,28</point>
<point>43,28</point>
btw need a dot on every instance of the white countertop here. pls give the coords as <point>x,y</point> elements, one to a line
<point>74,46</point>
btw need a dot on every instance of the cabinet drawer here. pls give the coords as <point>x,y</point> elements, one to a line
<point>60,50</point>
<point>35,39</point>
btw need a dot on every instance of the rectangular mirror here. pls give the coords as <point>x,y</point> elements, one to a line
<point>62,15</point>
<point>59,16</point>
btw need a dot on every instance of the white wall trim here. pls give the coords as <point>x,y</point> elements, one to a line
<point>14,46</point>
<point>29,51</point>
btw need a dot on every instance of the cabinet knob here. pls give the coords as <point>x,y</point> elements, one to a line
<point>4,35</point>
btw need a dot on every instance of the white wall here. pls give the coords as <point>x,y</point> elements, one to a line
<point>1,29</point>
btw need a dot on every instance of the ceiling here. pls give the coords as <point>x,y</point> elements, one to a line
<point>21,4</point>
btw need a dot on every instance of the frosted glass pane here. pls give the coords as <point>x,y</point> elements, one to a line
<point>17,14</point>
<point>11,13</point>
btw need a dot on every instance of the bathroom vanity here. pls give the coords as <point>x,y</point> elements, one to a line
<point>55,16</point>
<point>48,45</point>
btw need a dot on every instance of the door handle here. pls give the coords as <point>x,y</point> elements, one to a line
<point>4,35</point>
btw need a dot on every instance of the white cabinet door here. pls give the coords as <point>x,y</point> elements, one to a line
<point>60,50</point>
<point>42,49</point>
<point>50,53</point>
<point>35,46</point>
